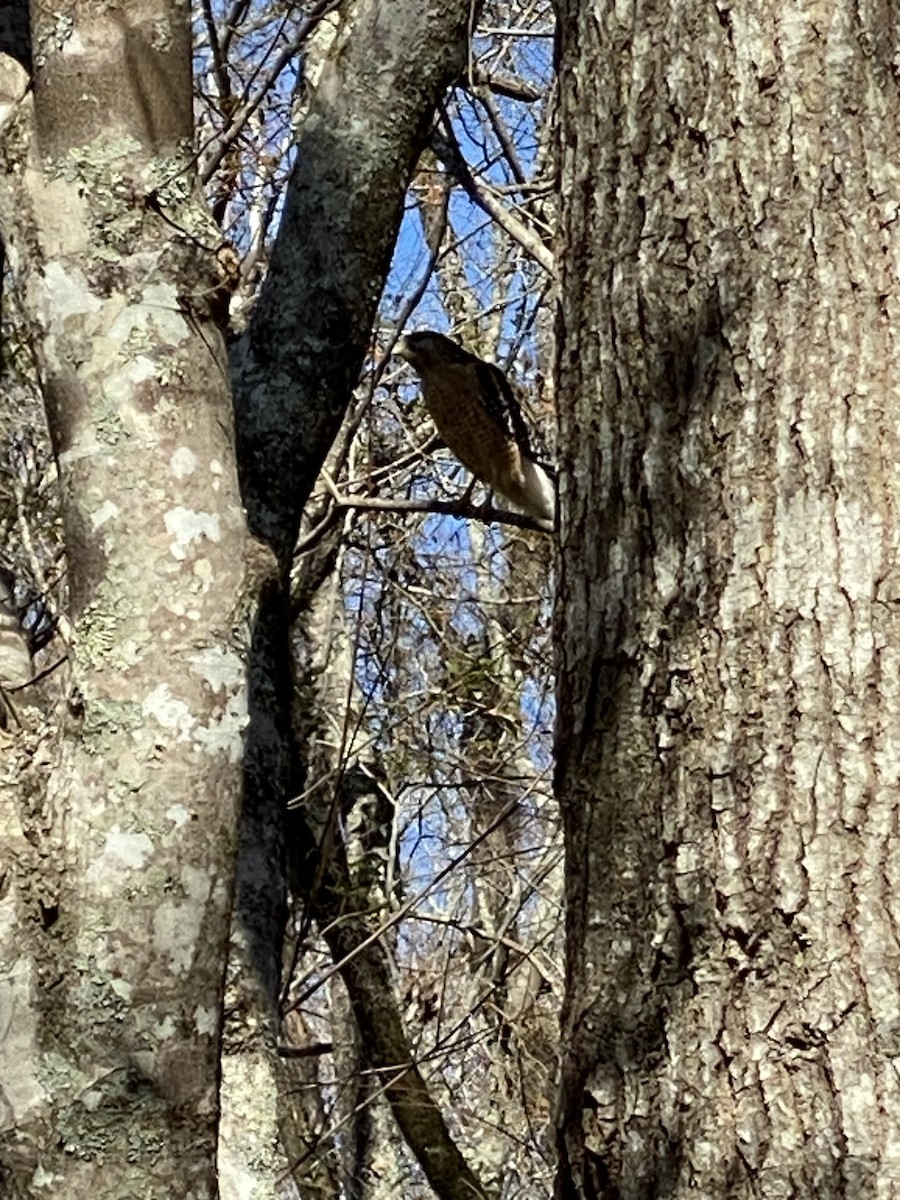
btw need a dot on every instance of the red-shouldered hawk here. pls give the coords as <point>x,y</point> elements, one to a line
<point>477,415</point>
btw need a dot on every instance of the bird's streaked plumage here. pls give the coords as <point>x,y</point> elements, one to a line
<point>478,416</point>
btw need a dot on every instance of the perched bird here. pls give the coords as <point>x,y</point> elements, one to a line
<point>477,415</point>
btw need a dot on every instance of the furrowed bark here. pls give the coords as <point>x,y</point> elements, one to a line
<point>729,633</point>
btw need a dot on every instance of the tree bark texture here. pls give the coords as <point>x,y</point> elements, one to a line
<point>729,609</point>
<point>300,360</point>
<point>117,884</point>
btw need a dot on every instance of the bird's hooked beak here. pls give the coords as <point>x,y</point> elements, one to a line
<point>403,349</point>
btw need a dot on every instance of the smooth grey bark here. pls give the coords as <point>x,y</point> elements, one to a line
<point>300,359</point>
<point>294,372</point>
<point>119,843</point>
<point>729,633</point>
<point>297,365</point>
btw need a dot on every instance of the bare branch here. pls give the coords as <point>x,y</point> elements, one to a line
<point>447,149</point>
<point>508,85</point>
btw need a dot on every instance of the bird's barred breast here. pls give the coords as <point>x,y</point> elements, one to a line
<point>478,441</point>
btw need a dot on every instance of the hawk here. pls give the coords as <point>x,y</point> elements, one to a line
<point>477,415</point>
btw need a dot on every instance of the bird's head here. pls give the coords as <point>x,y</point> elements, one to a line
<point>428,349</point>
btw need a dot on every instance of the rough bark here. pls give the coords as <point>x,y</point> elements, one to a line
<point>729,632</point>
<point>116,899</point>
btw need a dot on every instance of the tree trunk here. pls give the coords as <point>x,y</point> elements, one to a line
<point>117,891</point>
<point>729,628</point>
<point>294,372</point>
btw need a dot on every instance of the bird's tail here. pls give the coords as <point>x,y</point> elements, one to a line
<point>538,491</point>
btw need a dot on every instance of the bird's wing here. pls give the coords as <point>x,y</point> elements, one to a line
<point>503,407</point>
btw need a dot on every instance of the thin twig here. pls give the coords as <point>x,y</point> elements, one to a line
<point>446,147</point>
<point>487,513</point>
